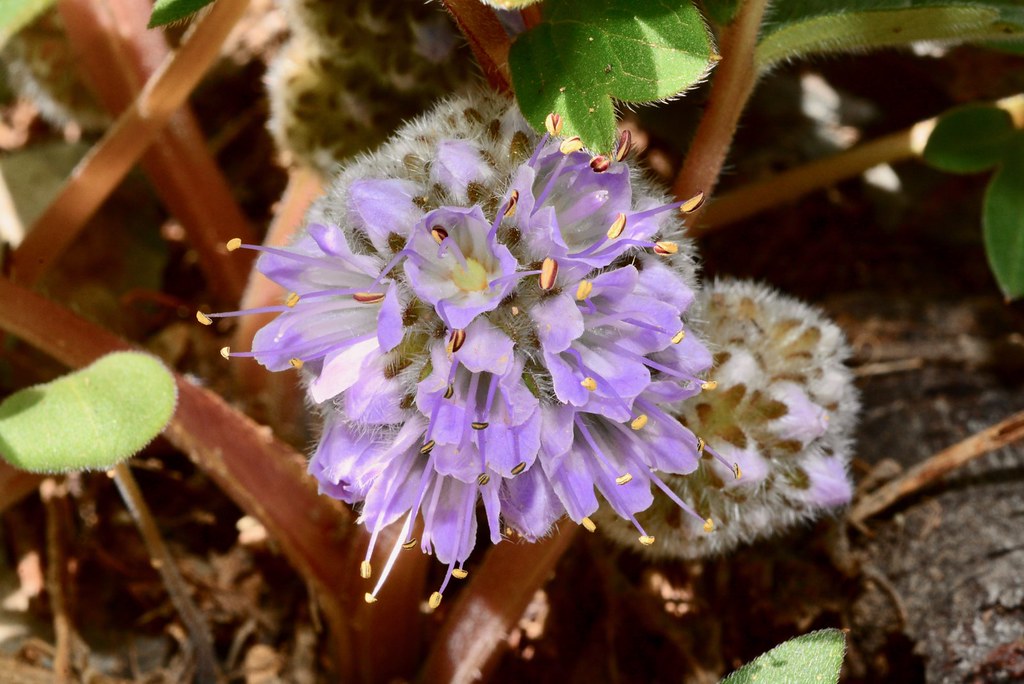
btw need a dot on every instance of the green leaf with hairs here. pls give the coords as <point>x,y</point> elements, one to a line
<point>1002,220</point>
<point>814,658</point>
<point>17,14</point>
<point>90,419</point>
<point>588,52</point>
<point>969,139</point>
<point>170,11</point>
<point>798,28</point>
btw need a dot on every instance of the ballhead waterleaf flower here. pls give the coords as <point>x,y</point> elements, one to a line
<point>782,411</point>
<point>485,316</point>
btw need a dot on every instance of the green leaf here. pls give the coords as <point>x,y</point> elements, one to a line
<point>969,139</point>
<point>90,419</point>
<point>1002,220</point>
<point>587,52</point>
<point>796,28</point>
<point>814,658</point>
<point>16,14</point>
<point>169,11</point>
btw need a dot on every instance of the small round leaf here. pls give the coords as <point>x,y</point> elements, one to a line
<point>814,658</point>
<point>969,139</point>
<point>90,419</point>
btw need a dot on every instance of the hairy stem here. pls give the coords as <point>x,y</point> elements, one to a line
<point>487,39</point>
<point>733,82</point>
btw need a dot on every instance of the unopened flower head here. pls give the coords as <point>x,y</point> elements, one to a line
<point>782,410</point>
<point>483,316</point>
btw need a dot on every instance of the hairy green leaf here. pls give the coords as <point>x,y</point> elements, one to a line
<point>16,14</point>
<point>969,139</point>
<point>797,28</point>
<point>90,419</point>
<point>814,658</point>
<point>587,52</point>
<point>169,11</point>
<point>1003,220</point>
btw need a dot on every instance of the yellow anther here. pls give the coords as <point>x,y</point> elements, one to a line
<point>570,145</point>
<point>625,146</point>
<point>618,225</point>
<point>203,318</point>
<point>553,123</point>
<point>519,468</point>
<point>233,244</point>
<point>292,300</point>
<point>584,289</point>
<point>693,204</point>
<point>425,449</point>
<point>709,525</point>
<point>479,425</point>
<point>700,446</point>
<point>679,337</point>
<point>736,470</point>
<point>639,422</point>
<point>439,234</point>
<point>709,385</point>
<point>588,524</point>
<point>365,569</point>
<point>548,273</point>
<point>513,200</point>
<point>624,479</point>
<point>515,310</point>
<point>665,247</point>
<point>225,352</point>
<point>368,297</point>
<point>459,573</point>
<point>589,383</point>
<point>369,598</point>
<point>295,363</point>
<point>647,540</point>
<point>483,479</point>
<point>409,544</point>
<point>456,340</point>
<point>449,392</point>
<point>435,600</point>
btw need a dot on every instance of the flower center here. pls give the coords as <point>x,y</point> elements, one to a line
<point>472,278</point>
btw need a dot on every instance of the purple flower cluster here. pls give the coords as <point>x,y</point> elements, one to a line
<point>482,316</point>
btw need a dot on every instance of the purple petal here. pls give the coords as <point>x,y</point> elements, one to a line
<point>389,320</point>
<point>529,504</point>
<point>382,207</point>
<point>341,370</point>
<point>486,349</point>
<point>559,322</point>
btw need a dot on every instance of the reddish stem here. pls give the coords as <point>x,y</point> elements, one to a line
<point>487,39</point>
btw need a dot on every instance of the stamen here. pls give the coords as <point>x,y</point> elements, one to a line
<point>700,445</point>
<point>548,273</point>
<point>553,123</point>
<point>709,525</point>
<point>584,289</point>
<point>510,207</point>
<point>439,234</point>
<point>233,244</point>
<point>693,204</point>
<point>369,598</point>
<point>459,573</point>
<point>589,383</point>
<point>456,340</point>
<point>588,524</point>
<point>483,479</point>
<point>292,300</point>
<point>647,540</point>
<point>392,557</point>
<point>426,448</point>
<point>570,145</point>
<point>368,297</point>
<point>624,147</point>
<point>409,544</point>
<point>296,363</point>
<point>678,337</point>
<point>225,352</point>
<point>736,471</point>
<point>515,310</point>
<point>448,244</point>
<point>519,468</point>
<point>479,425</point>
<point>365,569</point>
<point>709,385</point>
<point>518,275</point>
<point>600,163</point>
<point>617,226</point>
<point>435,600</point>
<point>203,318</point>
<point>449,392</point>
<point>624,479</point>
<point>639,422</point>
<point>665,247</point>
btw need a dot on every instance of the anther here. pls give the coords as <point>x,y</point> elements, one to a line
<point>225,352</point>
<point>457,339</point>
<point>233,244</point>
<point>483,479</point>
<point>548,273</point>
<point>693,204</point>
<point>479,425</point>
<point>678,337</point>
<point>292,300</point>
<point>584,289</point>
<point>736,471</point>
<point>589,383</point>
<point>369,598</point>
<point>700,446</point>
<point>625,146</point>
<point>435,600</point>
<point>203,318</point>
<point>425,449</point>
<point>459,573</point>
<point>588,524</point>
<point>515,310</point>
<point>665,247</point>
<point>600,163</point>
<point>647,540</point>
<point>439,234</point>
<point>368,297</point>
<point>570,145</point>
<point>519,468</point>
<point>409,544</point>
<point>639,422</point>
<point>553,124</point>
<point>708,385</point>
<point>618,225</point>
<point>624,479</point>
<point>365,570</point>
<point>709,525</point>
<point>513,200</point>
<point>295,363</point>
<point>449,392</point>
